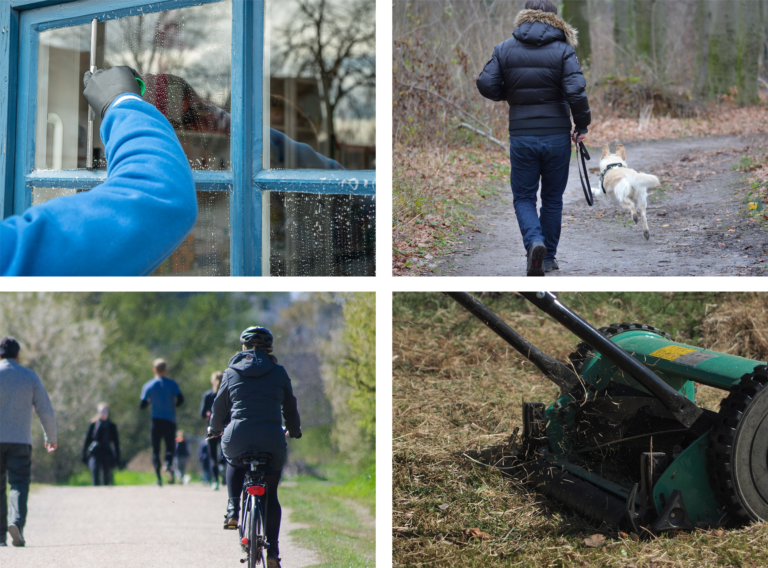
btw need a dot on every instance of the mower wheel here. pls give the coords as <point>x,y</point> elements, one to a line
<point>738,449</point>
<point>583,350</point>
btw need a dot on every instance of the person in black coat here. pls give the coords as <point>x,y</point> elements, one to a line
<point>537,73</point>
<point>206,405</point>
<point>101,449</point>
<point>256,392</point>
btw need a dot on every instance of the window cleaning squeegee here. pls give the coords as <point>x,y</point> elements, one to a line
<point>91,114</point>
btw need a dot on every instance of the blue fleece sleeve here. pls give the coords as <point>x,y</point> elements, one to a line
<point>127,225</point>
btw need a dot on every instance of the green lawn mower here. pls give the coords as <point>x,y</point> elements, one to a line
<point>625,442</point>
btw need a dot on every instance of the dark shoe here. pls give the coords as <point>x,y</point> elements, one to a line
<point>16,535</point>
<point>550,265</point>
<point>233,512</point>
<point>273,562</point>
<point>536,255</point>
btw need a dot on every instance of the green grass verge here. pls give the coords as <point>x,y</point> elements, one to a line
<point>121,477</point>
<point>338,519</point>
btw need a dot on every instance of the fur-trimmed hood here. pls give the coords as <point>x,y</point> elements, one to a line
<point>570,34</point>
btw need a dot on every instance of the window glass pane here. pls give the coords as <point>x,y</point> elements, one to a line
<point>322,81</point>
<point>205,251</point>
<point>184,57</point>
<point>322,235</point>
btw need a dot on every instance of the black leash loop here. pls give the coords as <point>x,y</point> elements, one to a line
<point>584,155</point>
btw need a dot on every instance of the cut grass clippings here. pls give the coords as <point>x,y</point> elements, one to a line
<point>338,519</point>
<point>458,388</point>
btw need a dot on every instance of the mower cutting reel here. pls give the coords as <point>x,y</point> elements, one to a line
<point>625,443</point>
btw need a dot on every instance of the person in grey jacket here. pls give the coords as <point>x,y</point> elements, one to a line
<point>21,390</point>
<point>257,392</point>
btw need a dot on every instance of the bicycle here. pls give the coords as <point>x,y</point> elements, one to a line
<point>253,514</point>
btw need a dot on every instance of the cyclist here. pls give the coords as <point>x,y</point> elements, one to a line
<point>213,443</point>
<point>255,389</point>
<point>161,392</point>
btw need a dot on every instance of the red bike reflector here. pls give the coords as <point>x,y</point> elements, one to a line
<point>244,540</point>
<point>256,490</point>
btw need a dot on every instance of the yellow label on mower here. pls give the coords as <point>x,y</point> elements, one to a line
<point>672,352</point>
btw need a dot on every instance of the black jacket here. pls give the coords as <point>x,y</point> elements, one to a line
<point>206,403</point>
<point>258,394</point>
<point>536,71</point>
<point>101,442</point>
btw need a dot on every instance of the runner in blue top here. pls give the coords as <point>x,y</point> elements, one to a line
<point>165,396</point>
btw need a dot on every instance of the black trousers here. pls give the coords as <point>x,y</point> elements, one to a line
<point>235,482</point>
<point>159,431</point>
<point>101,468</point>
<point>214,452</point>
<point>16,468</point>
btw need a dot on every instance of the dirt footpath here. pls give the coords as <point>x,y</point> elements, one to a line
<point>697,220</point>
<point>140,526</point>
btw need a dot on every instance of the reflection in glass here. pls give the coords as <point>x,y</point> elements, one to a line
<point>322,82</point>
<point>322,235</point>
<point>184,57</point>
<point>204,252</point>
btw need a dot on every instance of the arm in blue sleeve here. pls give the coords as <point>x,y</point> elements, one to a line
<point>306,157</point>
<point>127,225</point>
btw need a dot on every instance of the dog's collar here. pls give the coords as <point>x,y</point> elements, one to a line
<point>606,170</point>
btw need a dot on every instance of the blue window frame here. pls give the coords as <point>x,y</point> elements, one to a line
<point>247,183</point>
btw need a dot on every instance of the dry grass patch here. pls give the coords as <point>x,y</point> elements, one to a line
<point>459,388</point>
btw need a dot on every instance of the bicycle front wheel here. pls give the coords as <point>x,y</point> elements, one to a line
<point>257,553</point>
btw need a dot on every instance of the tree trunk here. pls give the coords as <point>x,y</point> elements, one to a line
<point>624,33</point>
<point>652,34</point>
<point>576,13</point>
<point>701,24</point>
<point>750,36</point>
<point>723,53</point>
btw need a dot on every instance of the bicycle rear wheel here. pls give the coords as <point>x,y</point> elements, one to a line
<point>257,553</point>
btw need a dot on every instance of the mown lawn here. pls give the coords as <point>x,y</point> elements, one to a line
<point>458,388</point>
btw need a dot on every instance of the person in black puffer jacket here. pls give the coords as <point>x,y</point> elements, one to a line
<point>536,71</point>
<point>257,392</point>
<point>101,449</point>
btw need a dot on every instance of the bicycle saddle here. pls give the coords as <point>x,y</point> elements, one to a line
<point>262,458</point>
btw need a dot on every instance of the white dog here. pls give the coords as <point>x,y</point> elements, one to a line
<point>626,187</point>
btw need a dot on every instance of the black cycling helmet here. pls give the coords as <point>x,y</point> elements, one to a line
<point>256,337</point>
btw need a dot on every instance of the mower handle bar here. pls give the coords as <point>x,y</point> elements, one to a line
<point>682,408</point>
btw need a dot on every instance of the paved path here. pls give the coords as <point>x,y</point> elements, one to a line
<point>140,526</point>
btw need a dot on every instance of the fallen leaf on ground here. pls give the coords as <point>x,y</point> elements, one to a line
<point>443,507</point>
<point>595,541</point>
<point>623,534</point>
<point>718,532</point>
<point>477,533</point>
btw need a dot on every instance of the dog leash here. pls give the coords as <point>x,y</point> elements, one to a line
<point>584,155</point>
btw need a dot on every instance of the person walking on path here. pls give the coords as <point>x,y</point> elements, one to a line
<point>182,455</point>
<point>258,394</point>
<point>21,390</point>
<point>537,72</point>
<point>206,404</point>
<point>165,396</point>
<point>101,449</point>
